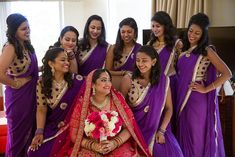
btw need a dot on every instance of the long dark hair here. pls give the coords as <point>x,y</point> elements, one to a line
<point>65,30</point>
<point>119,45</point>
<point>47,76</point>
<point>155,70</point>
<point>203,22</point>
<point>13,23</point>
<point>85,44</point>
<point>164,19</point>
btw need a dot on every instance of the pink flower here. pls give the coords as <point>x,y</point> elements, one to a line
<point>100,125</point>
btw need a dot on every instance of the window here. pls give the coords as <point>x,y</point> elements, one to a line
<point>45,20</point>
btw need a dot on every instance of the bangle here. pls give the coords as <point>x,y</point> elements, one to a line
<point>161,131</point>
<point>71,55</point>
<point>213,85</point>
<point>39,131</point>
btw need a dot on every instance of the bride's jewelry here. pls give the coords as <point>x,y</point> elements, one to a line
<point>100,105</point>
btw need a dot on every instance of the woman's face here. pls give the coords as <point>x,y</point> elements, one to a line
<point>103,84</point>
<point>144,62</point>
<point>127,34</point>
<point>23,32</point>
<point>61,63</point>
<point>157,29</point>
<point>69,41</point>
<point>95,29</point>
<point>194,34</point>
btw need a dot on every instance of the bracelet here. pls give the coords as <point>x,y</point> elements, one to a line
<point>161,131</point>
<point>118,141</point>
<point>39,131</point>
<point>71,55</point>
<point>213,85</point>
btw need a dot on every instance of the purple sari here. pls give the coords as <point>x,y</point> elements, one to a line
<point>95,61</point>
<point>130,62</point>
<point>54,118</point>
<point>148,114</point>
<point>198,124</point>
<point>20,110</point>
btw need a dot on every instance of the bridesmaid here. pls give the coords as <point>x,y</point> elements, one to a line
<point>148,94</point>
<point>19,72</point>
<point>56,89</point>
<point>93,46</point>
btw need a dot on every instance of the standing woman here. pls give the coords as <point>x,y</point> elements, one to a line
<point>68,40</point>
<point>121,56</point>
<point>19,72</point>
<point>93,46</point>
<point>163,40</point>
<point>56,90</point>
<point>198,123</point>
<point>149,96</point>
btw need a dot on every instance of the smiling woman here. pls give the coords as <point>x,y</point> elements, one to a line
<point>38,13</point>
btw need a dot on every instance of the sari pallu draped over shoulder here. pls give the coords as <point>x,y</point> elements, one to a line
<point>64,145</point>
<point>94,60</point>
<point>20,110</point>
<point>149,114</point>
<point>213,140</point>
<point>56,117</point>
<point>130,61</point>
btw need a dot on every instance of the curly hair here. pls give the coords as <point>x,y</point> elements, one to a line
<point>155,70</point>
<point>85,44</point>
<point>47,76</point>
<point>201,20</point>
<point>164,19</point>
<point>119,45</point>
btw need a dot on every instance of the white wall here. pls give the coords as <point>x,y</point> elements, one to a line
<point>222,13</point>
<point>76,13</point>
<point>112,11</point>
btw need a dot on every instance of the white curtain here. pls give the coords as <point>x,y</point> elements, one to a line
<point>181,10</point>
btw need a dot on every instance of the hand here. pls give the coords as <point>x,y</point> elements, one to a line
<point>97,147</point>
<point>108,146</point>
<point>194,86</point>
<point>21,81</point>
<point>36,142</point>
<point>160,138</point>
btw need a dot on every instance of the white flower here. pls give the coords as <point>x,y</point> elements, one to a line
<point>89,127</point>
<point>111,126</point>
<point>114,113</point>
<point>114,119</point>
<point>104,117</point>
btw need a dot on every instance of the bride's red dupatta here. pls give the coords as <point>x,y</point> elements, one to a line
<point>69,142</point>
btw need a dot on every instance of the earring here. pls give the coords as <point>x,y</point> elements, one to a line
<point>53,71</point>
<point>93,90</point>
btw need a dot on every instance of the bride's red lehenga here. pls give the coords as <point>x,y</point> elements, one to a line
<point>64,145</point>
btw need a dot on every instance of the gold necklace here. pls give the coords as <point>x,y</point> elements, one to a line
<point>100,105</point>
<point>188,52</point>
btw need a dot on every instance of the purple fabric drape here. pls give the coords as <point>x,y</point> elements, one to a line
<point>20,110</point>
<point>54,117</point>
<point>95,61</point>
<point>198,124</point>
<point>149,122</point>
<point>129,64</point>
<point>164,56</point>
